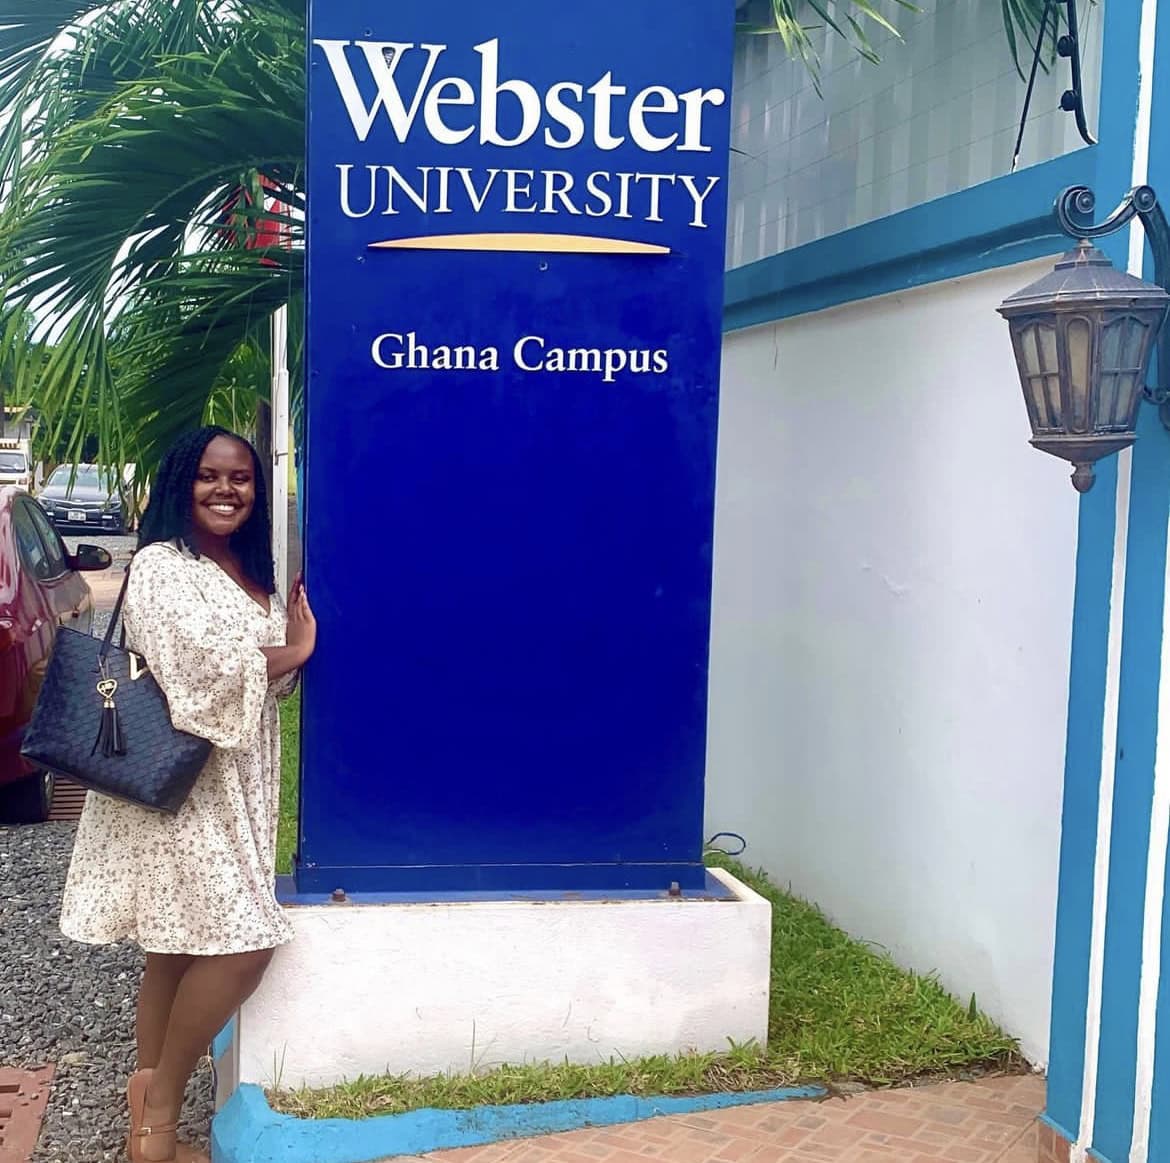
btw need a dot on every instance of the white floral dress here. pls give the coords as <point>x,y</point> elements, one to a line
<point>200,882</point>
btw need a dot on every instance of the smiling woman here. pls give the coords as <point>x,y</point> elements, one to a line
<point>195,890</point>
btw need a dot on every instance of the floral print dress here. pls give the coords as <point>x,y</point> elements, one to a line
<point>200,882</point>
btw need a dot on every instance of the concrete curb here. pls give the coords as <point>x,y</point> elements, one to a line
<point>247,1130</point>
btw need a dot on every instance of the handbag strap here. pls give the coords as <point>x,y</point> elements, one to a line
<point>115,619</point>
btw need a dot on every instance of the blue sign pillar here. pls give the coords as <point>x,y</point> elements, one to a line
<point>516,235</point>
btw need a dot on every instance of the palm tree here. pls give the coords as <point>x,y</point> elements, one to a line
<point>129,131</point>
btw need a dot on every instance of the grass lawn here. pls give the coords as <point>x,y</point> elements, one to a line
<point>290,750</point>
<point>840,1011</point>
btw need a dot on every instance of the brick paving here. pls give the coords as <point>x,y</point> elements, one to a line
<point>24,1095</point>
<point>993,1121</point>
<point>1054,1147</point>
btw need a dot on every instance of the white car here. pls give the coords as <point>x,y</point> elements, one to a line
<point>15,469</point>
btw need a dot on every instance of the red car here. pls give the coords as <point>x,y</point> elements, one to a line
<point>40,590</point>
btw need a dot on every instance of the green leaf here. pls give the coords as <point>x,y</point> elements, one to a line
<point>137,131</point>
<point>127,127</point>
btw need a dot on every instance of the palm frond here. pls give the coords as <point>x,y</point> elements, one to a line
<point>853,20</point>
<point>795,20</point>
<point>115,231</point>
<point>128,129</point>
<point>58,66</point>
<point>217,304</point>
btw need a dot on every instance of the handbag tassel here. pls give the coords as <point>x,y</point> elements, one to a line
<point>110,740</point>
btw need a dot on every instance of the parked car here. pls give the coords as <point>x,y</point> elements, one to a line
<point>15,468</point>
<point>83,496</point>
<point>41,589</point>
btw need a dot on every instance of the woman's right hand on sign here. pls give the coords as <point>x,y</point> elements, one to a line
<point>302,624</point>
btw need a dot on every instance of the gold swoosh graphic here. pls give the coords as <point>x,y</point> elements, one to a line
<point>538,243</point>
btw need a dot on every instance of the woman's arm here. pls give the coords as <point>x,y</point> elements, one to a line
<point>283,660</point>
<point>216,682</point>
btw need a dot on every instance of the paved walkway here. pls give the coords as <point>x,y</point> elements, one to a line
<point>987,1122</point>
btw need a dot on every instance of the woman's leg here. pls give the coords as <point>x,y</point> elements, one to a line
<point>156,997</point>
<point>208,993</point>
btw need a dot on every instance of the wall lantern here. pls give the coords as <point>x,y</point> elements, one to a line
<point>1083,336</point>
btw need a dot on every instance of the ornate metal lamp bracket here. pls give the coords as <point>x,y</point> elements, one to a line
<point>1074,212</point>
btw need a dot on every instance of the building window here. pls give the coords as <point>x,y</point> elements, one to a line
<point>939,114</point>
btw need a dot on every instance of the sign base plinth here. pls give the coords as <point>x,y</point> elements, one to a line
<point>458,985</point>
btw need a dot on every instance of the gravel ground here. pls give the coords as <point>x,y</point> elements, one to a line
<point>72,1005</point>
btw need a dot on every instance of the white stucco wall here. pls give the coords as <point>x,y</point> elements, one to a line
<point>894,571</point>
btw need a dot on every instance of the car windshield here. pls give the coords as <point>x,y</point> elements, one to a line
<point>87,478</point>
<point>12,462</point>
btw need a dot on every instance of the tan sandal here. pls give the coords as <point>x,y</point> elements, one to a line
<point>136,1097</point>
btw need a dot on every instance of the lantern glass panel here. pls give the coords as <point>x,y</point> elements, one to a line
<point>1113,342</point>
<point>1136,333</point>
<point>1037,354</point>
<point>1050,361</point>
<point>1123,350</point>
<point>1031,352</point>
<point>1113,378</point>
<point>1079,340</point>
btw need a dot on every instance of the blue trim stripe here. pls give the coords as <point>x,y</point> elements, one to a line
<point>223,1041</point>
<point>1159,1143</point>
<point>1141,651</point>
<point>1134,787</point>
<point>1062,1131</point>
<point>1082,775</point>
<point>1113,160</point>
<point>247,1130</point>
<point>1159,1147</point>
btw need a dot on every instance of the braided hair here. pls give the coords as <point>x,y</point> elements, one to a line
<point>168,515</point>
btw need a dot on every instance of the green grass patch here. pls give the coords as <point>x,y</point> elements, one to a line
<point>841,1011</point>
<point>290,758</point>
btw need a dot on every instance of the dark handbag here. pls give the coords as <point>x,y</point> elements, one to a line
<point>102,721</point>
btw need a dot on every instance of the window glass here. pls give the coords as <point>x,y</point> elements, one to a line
<point>50,538</point>
<point>938,114</point>
<point>33,553</point>
<point>86,477</point>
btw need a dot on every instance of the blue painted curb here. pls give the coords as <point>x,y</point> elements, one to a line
<point>223,1040</point>
<point>247,1130</point>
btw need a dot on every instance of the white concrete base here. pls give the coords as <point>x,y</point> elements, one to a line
<point>430,988</point>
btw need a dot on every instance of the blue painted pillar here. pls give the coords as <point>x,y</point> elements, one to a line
<point>1110,1004</point>
<point>515,257</point>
